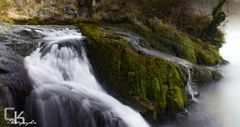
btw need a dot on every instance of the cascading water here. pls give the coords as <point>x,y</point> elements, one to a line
<point>190,89</point>
<point>65,92</point>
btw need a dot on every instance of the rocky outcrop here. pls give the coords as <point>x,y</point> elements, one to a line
<point>15,85</point>
<point>169,39</point>
<point>13,78</point>
<point>55,9</point>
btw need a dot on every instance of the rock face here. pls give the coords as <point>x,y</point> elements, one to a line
<point>21,41</point>
<point>56,9</point>
<point>15,85</point>
<point>13,78</point>
<point>110,10</point>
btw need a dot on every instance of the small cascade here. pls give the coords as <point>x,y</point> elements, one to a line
<point>190,89</point>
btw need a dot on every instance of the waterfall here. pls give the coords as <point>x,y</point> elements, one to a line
<point>65,91</point>
<point>190,89</point>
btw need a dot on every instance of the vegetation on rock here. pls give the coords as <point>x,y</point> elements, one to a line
<point>167,38</point>
<point>155,86</point>
<point>211,31</point>
<point>4,5</point>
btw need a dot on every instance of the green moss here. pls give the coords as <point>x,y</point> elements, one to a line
<point>204,58</point>
<point>37,21</point>
<point>142,79</point>
<point>85,20</point>
<point>207,54</point>
<point>149,36</point>
<point>167,38</point>
<point>34,21</point>
<point>176,100</point>
<point>188,50</point>
<point>216,75</point>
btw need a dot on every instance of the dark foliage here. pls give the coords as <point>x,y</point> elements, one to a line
<point>211,32</point>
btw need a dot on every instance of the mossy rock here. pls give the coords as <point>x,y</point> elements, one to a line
<point>153,85</point>
<point>169,39</point>
<point>209,56</point>
<point>202,75</point>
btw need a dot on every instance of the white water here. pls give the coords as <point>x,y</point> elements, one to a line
<point>190,83</point>
<point>69,70</point>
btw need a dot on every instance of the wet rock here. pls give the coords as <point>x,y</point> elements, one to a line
<point>21,41</point>
<point>23,49</point>
<point>58,10</point>
<point>14,79</point>
<point>203,75</point>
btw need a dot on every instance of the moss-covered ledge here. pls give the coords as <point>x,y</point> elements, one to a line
<point>169,39</point>
<point>154,85</point>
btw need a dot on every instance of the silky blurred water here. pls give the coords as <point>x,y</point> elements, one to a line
<point>219,103</point>
<point>224,98</point>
